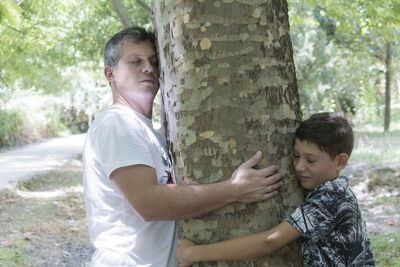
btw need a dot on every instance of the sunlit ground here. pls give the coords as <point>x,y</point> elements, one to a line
<point>375,148</point>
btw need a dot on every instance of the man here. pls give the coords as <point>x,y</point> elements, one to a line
<point>131,203</point>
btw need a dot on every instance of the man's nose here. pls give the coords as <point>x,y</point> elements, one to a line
<point>148,68</point>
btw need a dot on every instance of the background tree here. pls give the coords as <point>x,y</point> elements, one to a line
<point>364,27</point>
<point>230,90</point>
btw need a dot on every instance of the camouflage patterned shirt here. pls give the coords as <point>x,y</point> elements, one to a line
<point>334,232</point>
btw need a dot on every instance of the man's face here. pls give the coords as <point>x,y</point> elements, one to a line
<point>312,165</point>
<point>136,73</point>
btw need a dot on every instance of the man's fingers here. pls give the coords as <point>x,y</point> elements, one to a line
<point>267,171</point>
<point>273,187</point>
<point>273,178</point>
<point>269,195</point>
<point>253,160</point>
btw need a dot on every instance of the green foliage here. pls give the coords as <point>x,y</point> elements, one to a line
<point>51,65</point>
<point>54,35</point>
<point>11,123</point>
<point>362,17</point>
<point>10,13</point>
<point>69,112</point>
<point>15,255</point>
<point>338,70</point>
<point>322,68</point>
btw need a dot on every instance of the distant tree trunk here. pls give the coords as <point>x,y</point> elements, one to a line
<point>230,90</point>
<point>337,102</point>
<point>4,82</point>
<point>388,63</point>
<point>119,9</point>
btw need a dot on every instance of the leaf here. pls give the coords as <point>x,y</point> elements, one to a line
<point>10,12</point>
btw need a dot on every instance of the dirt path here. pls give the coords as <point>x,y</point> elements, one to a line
<point>24,162</point>
<point>379,201</point>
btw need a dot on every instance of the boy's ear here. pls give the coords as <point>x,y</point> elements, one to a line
<point>109,73</point>
<point>341,161</point>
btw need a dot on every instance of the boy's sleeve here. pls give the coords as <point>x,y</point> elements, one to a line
<point>317,215</point>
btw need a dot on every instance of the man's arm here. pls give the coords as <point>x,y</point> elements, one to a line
<point>155,201</point>
<point>242,248</point>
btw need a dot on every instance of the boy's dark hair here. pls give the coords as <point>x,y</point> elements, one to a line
<point>331,132</point>
<point>132,34</point>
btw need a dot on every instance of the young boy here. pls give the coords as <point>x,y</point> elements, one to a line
<point>329,220</point>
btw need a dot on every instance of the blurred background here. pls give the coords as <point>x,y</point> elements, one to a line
<point>346,52</point>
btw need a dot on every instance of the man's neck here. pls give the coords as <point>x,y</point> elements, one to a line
<point>145,109</point>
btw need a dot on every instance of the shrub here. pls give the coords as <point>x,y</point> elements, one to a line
<point>11,125</point>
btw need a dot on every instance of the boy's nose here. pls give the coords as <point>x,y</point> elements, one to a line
<point>298,165</point>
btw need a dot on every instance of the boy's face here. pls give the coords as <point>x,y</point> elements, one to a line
<point>313,166</point>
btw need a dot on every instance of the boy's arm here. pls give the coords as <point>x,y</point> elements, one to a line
<point>242,248</point>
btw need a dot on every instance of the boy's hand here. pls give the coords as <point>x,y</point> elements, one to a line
<point>251,185</point>
<point>183,252</point>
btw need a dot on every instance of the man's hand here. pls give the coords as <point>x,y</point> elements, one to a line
<point>253,185</point>
<point>183,253</point>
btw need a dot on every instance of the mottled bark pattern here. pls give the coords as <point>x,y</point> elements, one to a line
<point>230,90</point>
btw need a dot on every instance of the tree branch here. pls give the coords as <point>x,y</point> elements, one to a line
<point>121,13</point>
<point>4,82</point>
<point>14,29</point>
<point>148,9</point>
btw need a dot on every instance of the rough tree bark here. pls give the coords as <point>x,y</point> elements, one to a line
<point>230,90</point>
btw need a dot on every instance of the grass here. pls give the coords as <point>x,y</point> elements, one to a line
<point>386,249</point>
<point>376,149</point>
<point>388,200</point>
<point>15,255</point>
<point>377,155</point>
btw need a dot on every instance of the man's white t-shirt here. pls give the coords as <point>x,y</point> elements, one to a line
<point>120,137</point>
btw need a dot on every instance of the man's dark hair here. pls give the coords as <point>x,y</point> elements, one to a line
<point>132,34</point>
<point>331,132</point>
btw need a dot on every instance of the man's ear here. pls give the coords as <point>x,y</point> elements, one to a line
<point>109,73</point>
<point>341,161</point>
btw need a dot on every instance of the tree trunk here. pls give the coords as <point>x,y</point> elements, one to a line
<point>388,62</point>
<point>126,22</point>
<point>3,81</point>
<point>230,90</point>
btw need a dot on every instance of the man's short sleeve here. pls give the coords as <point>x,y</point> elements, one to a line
<point>123,143</point>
